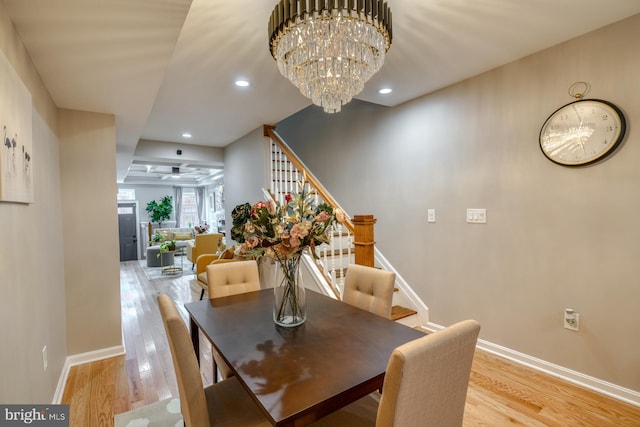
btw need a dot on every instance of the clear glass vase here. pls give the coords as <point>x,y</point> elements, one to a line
<point>289,306</point>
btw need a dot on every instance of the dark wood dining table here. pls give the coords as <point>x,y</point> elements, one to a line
<point>298,375</point>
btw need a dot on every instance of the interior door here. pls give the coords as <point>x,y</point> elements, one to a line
<point>128,231</point>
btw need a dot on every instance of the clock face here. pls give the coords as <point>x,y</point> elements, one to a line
<point>582,132</point>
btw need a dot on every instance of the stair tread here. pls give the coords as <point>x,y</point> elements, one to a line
<point>399,312</point>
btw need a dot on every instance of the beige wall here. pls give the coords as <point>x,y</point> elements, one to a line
<point>88,177</point>
<point>32,289</point>
<point>59,272</point>
<point>244,173</point>
<point>556,237</point>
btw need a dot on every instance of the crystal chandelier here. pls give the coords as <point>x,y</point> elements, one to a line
<point>330,48</point>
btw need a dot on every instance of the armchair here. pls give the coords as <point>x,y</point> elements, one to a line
<point>204,260</point>
<point>203,244</point>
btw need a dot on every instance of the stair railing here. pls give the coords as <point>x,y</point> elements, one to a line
<point>286,170</point>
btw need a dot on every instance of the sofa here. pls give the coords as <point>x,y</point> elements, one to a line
<point>181,235</point>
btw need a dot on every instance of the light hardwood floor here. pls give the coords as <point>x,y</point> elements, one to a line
<point>501,393</point>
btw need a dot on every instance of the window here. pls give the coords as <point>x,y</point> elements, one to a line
<point>126,194</point>
<point>211,206</point>
<point>125,210</point>
<point>189,212</point>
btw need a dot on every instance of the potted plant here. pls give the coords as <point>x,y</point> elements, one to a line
<point>159,212</point>
<point>167,245</point>
<point>156,238</point>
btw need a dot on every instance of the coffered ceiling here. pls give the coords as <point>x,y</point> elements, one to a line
<point>151,172</point>
<point>164,67</point>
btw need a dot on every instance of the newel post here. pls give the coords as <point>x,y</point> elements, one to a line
<point>363,239</point>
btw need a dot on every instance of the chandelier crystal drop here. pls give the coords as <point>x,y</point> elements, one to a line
<point>330,48</point>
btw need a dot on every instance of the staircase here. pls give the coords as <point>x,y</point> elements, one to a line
<point>333,259</point>
<point>398,313</point>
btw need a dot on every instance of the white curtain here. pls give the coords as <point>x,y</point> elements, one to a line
<point>177,203</point>
<point>200,205</point>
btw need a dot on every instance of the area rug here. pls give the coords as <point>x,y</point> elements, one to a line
<point>155,273</point>
<point>165,413</point>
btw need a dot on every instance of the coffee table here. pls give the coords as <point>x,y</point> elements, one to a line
<point>173,268</point>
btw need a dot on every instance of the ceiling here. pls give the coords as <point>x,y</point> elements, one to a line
<point>147,171</point>
<point>164,67</point>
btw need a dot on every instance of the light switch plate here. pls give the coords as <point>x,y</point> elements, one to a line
<point>477,216</point>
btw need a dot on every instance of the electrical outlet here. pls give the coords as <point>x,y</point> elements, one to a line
<point>431,215</point>
<point>571,319</point>
<point>44,358</point>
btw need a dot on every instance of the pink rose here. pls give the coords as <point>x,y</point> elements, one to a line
<point>256,208</point>
<point>271,207</point>
<point>340,215</point>
<point>252,242</point>
<point>323,216</point>
<point>298,231</point>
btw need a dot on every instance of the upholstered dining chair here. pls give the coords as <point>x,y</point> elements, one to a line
<point>425,384</point>
<point>230,278</point>
<point>222,404</point>
<point>370,289</point>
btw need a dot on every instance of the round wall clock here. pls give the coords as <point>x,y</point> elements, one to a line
<point>582,132</point>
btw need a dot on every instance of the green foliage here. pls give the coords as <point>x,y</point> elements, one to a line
<point>159,212</point>
<point>240,215</point>
<point>169,245</point>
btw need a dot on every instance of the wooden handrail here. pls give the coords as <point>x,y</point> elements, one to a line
<point>269,131</point>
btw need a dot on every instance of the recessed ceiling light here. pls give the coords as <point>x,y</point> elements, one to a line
<point>242,83</point>
<point>186,135</point>
<point>385,91</point>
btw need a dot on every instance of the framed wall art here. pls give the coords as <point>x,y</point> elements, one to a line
<point>16,150</point>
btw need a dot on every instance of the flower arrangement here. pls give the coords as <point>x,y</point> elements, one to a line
<point>282,232</point>
<point>201,228</point>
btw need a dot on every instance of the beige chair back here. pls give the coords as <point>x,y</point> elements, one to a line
<point>231,278</point>
<point>370,289</point>
<point>427,379</point>
<point>193,402</point>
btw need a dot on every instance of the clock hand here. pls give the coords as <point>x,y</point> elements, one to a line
<point>582,145</point>
<point>579,116</point>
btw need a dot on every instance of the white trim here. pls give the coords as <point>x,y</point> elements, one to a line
<point>404,289</point>
<point>317,276</point>
<point>626,395</point>
<point>79,359</point>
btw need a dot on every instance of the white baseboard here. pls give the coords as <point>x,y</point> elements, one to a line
<point>79,359</point>
<point>629,396</point>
